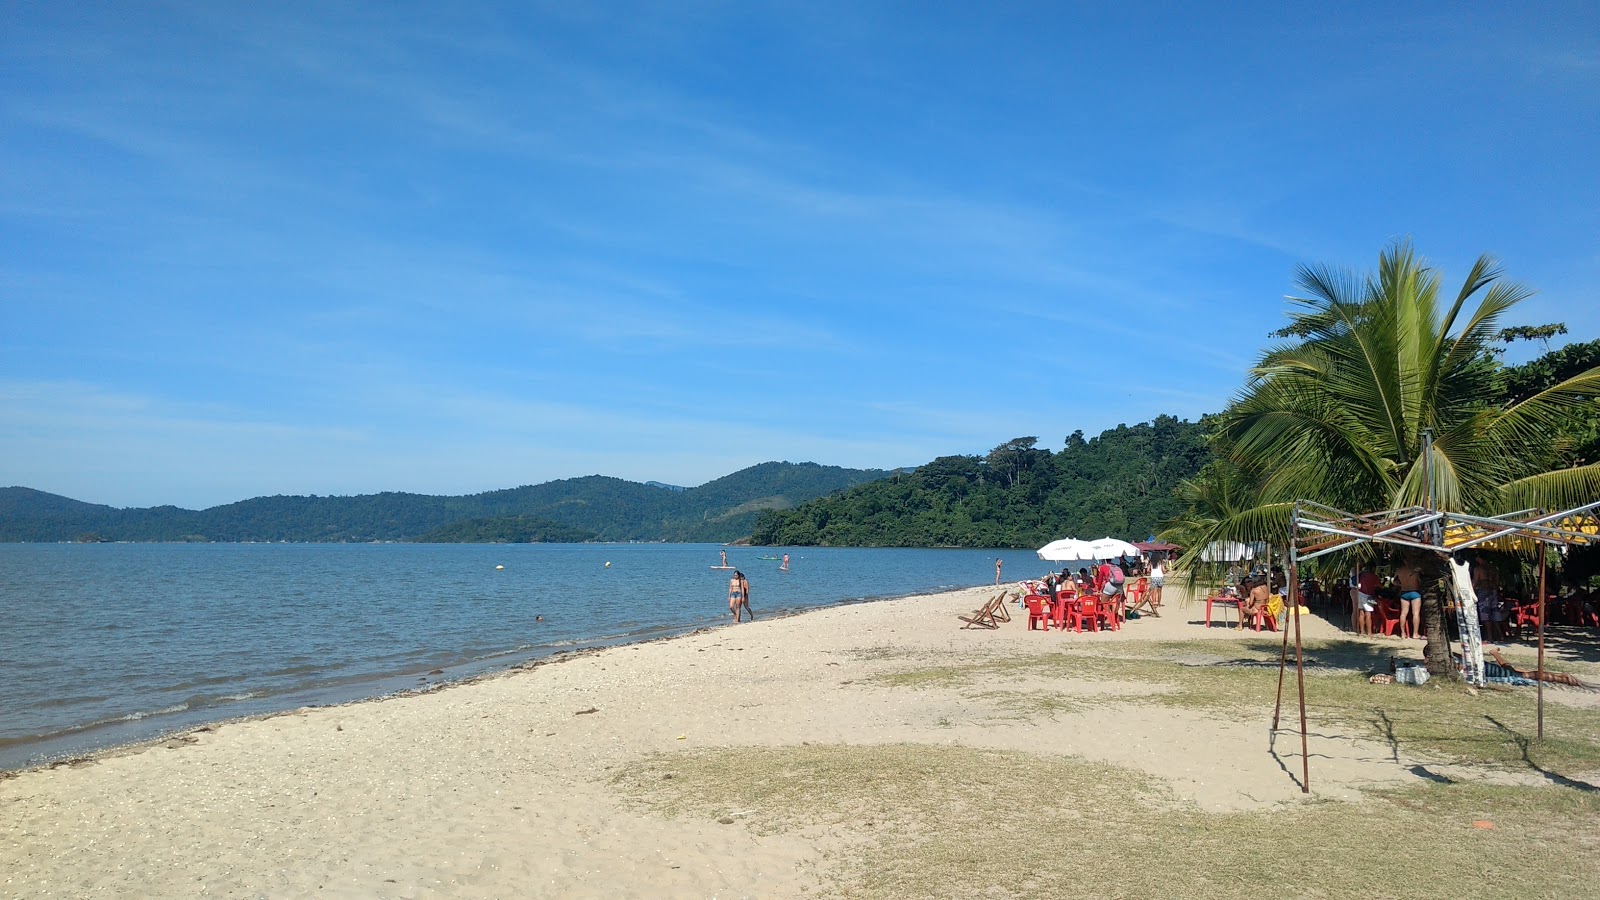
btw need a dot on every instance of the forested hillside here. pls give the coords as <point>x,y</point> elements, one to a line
<point>506,530</point>
<point>599,507</point>
<point>1119,483</point>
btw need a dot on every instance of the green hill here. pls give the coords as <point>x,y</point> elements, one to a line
<point>1118,484</point>
<point>595,506</point>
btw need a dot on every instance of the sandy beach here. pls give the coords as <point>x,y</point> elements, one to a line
<point>544,782</point>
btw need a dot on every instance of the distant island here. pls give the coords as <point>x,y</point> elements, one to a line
<point>594,507</point>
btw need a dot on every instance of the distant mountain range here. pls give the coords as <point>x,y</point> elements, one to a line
<point>594,507</point>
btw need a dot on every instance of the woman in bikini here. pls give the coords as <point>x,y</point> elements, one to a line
<point>1257,594</point>
<point>739,596</point>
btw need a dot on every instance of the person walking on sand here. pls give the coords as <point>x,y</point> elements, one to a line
<point>739,597</point>
<point>997,571</point>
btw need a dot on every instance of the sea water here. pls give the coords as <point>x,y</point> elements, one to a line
<point>104,644</point>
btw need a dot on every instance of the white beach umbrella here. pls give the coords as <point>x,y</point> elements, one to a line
<point>1067,550</point>
<point>1111,548</point>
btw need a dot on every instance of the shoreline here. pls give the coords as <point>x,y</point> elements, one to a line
<point>276,628</point>
<point>69,748</point>
<point>508,784</point>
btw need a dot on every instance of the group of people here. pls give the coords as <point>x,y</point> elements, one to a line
<point>1365,587</point>
<point>1109,580</point>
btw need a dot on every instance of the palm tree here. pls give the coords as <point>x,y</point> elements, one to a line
<point>1336,412</point>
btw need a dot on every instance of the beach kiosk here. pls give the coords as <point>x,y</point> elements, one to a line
<point>1318,530</point>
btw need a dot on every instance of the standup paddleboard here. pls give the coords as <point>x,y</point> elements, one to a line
<point>722,567</point>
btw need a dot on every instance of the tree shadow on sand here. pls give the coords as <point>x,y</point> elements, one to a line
<point>1523,743</point>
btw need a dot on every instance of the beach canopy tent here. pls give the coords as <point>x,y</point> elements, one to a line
<point>1067,550</point>
<point>1156,547</point>
<point>1319,530</point>
<point>1227,551</point>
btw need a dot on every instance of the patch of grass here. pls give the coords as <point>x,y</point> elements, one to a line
<point>1439,721</point>
<point>937,676</point>
<point>958,822</point>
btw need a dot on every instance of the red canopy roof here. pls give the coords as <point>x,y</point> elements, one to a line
<point>1156,546</point>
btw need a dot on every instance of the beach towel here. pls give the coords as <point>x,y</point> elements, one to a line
<point>1467,613</point>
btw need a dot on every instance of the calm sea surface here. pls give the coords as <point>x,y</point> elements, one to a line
<point>109,643</point>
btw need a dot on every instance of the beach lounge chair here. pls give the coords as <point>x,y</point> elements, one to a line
<point>989,615</point>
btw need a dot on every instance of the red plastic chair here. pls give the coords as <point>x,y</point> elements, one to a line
<point>1085,608</point>
<point>1137,592</point>
<point>1263,617</point>
<point>1386,618</point>
<point>1038,614</point>
<point>1114,610</point>
<point>1524,614</point>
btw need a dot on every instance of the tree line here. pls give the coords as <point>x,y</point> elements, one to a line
<point>1119,483</point>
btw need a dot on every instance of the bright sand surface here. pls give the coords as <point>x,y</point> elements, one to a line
<point>504,786</point>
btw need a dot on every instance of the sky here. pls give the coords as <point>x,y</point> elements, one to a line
<point>345,247</point>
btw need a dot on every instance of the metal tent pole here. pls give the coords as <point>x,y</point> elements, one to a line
<point>1540,677</point>
<point>1283,652</point>
<point>1300,670</point>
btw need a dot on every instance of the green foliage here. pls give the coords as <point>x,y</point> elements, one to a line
<point>1530,333</point>
<point>507,530</point>
<point>1581,428</point>
<point>1118,484</point>
<point>1338,413</point>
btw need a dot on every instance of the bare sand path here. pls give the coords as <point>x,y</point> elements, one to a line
<point>503,787</point>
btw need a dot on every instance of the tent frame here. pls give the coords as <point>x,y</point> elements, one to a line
<point>1317,530</point>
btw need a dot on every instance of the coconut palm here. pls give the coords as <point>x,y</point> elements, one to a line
<point>1336,412</point>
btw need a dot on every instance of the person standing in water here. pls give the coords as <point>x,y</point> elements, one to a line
<point>784,567</point>
<point>739,597</point>
<point>997,571</point>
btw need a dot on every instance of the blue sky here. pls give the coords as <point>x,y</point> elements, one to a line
<point>339,248</point>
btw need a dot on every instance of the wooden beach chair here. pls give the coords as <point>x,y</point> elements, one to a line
<point>1139,599</point>
<point>989,615</point>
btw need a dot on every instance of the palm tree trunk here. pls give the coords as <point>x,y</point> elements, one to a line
<point>1436,654</point>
